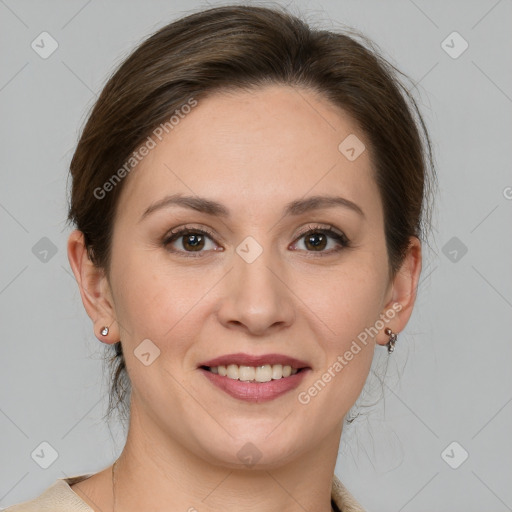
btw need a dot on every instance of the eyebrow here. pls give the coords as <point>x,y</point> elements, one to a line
<point>210,207</point>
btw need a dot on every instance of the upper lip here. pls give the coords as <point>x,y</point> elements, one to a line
<point>242,359</point>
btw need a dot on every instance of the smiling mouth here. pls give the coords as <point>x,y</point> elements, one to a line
<point>263,373</point>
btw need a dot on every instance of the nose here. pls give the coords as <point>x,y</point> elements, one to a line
<point>258,297</point>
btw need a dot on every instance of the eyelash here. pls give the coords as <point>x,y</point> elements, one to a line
<point>340,238</point>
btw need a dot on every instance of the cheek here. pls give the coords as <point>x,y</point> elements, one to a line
<point>345,310</point>
<point>156,317</point>
<point>346,300</point>
<point>343,318</point>
<point>159,302</point>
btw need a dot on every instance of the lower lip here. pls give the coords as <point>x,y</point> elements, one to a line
<point>255,391</point>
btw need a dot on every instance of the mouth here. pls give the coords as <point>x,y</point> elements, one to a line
<point>262,373</point>
<point>255,378</point>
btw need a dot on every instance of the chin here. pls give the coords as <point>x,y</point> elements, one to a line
<point>252,451</point>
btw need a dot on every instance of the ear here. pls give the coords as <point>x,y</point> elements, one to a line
<point>94,288</point>
<point>402,295</point>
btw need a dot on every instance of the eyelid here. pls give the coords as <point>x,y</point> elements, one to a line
<point>319,227</point>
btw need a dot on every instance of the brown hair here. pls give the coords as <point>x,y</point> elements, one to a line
<point>242,47</point>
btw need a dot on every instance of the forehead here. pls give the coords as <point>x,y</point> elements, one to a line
<point>246,148</point>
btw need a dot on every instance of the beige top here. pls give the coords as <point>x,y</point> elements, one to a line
<point>61,498</point>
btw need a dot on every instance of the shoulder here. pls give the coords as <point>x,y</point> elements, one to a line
<point>343,499</point>
<point>59,497</point>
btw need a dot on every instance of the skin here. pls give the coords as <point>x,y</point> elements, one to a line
<point>253,152</point>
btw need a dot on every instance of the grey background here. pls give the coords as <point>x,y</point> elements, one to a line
<point>449,378</point>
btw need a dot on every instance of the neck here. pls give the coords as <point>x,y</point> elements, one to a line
<point>155,472</point>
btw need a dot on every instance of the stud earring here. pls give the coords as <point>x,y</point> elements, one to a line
<point>104,331</point>
<point>392,339</point>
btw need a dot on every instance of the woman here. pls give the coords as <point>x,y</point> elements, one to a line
<point>249,196</point>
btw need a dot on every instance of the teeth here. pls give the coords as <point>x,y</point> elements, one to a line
<point>246,373</point>
<point>277,371</point>
<point>264,373</point>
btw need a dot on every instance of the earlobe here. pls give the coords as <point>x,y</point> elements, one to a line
<point>403,293</point>
<point>94,288</point>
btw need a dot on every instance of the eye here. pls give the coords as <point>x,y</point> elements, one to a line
<point>316,239</point>
<point>193,240</point>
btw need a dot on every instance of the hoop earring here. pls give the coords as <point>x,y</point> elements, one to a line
<point>392,339</point>
<point>104,331</point>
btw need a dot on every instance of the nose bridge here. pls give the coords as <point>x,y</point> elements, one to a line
<point>258,295</point>
<point>253,264</point>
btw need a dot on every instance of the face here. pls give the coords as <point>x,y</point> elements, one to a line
<point>274,274</point>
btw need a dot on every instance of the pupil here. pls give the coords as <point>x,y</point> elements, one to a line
<point>317,244</point>
<point>196,240</point>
